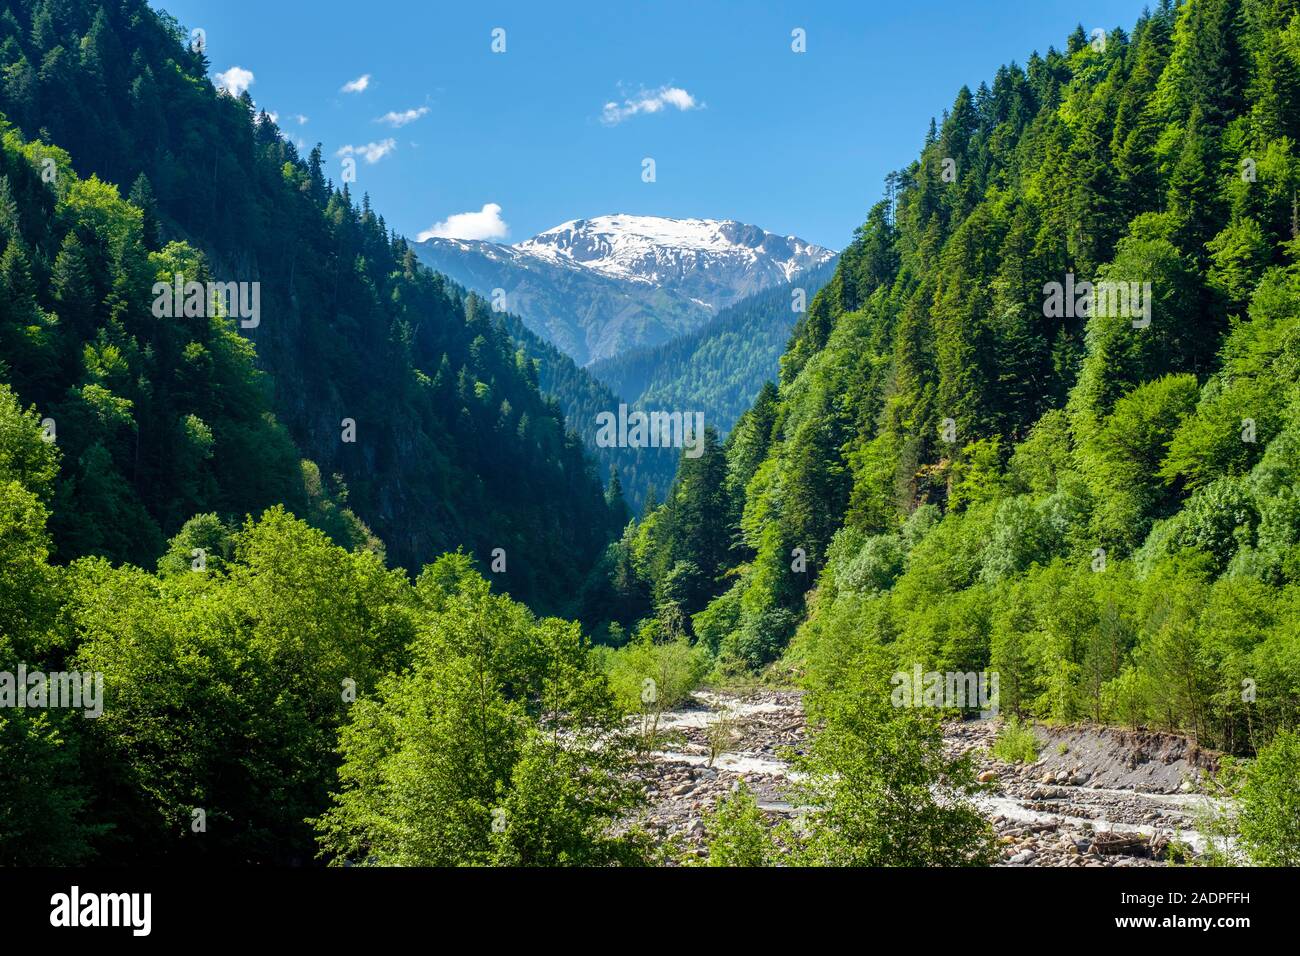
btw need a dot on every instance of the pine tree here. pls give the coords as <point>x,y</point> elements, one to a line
<point>142,197</point>
<point>619,512</point>
<point>10,223</point>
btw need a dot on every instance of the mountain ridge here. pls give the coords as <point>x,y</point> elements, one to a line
<point>721,366</point>
<point>644,280</point>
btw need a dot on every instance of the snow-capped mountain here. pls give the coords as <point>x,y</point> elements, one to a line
<point>597,287</point>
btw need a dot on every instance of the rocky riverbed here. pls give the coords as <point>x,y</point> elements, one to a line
<point>1096,797</point>
<point>686,778</point>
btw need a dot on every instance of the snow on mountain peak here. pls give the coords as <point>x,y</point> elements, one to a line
<point>597,287</point>
<point>656,249</point>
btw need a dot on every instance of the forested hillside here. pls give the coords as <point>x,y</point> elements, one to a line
<point>158,173</point>
<point>959,474</point>
<point>720,368</point>
<point>641,472</point>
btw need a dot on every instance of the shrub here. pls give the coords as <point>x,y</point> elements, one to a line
<point>876,787</point>
<point>737,833</point>
<point>675,667</point>
<point>1269,818</point>
<point>1017,743</point>
<point>649,678</point>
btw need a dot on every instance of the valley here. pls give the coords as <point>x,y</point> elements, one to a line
<point>377,566</point>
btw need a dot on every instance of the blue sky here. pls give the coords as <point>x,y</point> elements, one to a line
<point>738,124</point>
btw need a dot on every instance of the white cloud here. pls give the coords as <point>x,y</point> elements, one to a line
<point>398,120</point>
<point>370,152</point>
<point>235,80</point>
<point>302,120</point>
<point>484,224</point>
<point>356,86</point>
<point>649,101</point>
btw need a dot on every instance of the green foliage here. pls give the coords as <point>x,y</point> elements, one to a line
<point>1113,526</point>
<point>1083,437</point>
<point>1240,254</point>
<point>976,474</point>
<point>224,688</point>
<point>500,744</point>
<point>1115,530</point>
<point>1270,804</point>
<point>718,621</point>
<point>42,806</point>
<point>1124,459</point>
<point>560,809</point>
<point>203,541</point>
<point>25,456</point>
<point>229,685</point>
<point>877,789</point>
<point>1217,521</point>
<point>1016,742</point>
<point>674,666</point>
<point>1254,816</point>
<point>582,396</point>
<point>864,564</point>
<point>737,833</point>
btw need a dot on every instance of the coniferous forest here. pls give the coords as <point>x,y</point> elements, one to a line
<point>362,589</point>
